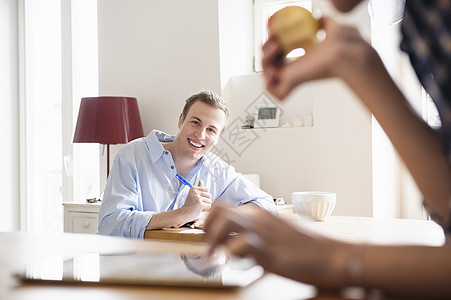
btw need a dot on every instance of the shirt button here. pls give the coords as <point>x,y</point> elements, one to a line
<point>172,167</point>
<point>166,152</point>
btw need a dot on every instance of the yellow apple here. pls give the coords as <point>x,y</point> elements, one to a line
<point>294,27</point>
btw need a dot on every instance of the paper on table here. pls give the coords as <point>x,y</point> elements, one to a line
<point>193,231</point>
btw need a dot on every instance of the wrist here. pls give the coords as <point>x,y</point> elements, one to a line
<point>347,266</point>
<point>168,219</point>
<point>355,61</point>
<point>182,214</point>
<point>185,214</point>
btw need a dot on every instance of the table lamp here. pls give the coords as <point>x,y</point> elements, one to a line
<point>108,120</point>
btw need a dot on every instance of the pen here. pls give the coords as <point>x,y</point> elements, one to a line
<point>183,180</point>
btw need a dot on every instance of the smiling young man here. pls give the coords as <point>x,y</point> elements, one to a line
<point>143,192</point>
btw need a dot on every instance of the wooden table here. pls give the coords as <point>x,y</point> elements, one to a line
<point>176,234</point>
<point>351,229</point>
<point>19,249</point>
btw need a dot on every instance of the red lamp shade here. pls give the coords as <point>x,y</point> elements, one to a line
<point>108,120</point>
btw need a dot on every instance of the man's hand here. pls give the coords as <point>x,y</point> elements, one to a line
<point>197,201</point>
<point>199,222</point>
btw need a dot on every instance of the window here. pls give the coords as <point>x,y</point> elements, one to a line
<point>395,193</point>
<point>84,79</point>
<point>57,69</point>
<point>263,10</point>
<point>41,117</point>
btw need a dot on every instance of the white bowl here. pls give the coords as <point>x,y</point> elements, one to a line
<point>314,205</point>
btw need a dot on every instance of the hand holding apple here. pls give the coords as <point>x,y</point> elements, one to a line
<point>294,27</point>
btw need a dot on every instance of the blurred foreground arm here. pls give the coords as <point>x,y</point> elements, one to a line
<point>288,250</point>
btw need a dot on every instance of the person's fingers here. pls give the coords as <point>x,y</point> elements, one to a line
<point>206,206</point>
<point>314,65</point>
<point>212,215</point>
<point>216,226</point>
<point>206,201</point>
<point>272,60</point>
<point>345,5</point>
<point>326,23</point>
<point>271,53</point>
<point>196,224</point>
<point>226,221</point>
<point>201,186</point>
<point>246,244</point>
<point>200,193</point>
<point>282,77</point>
<point>274,66</point>
<point>205,195</point>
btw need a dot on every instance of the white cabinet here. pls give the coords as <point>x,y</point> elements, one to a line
<point>81,217</point>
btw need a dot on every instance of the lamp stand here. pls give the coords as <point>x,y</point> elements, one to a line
<point>107,160</point>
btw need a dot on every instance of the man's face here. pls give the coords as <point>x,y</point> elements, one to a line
<point>200,130</point>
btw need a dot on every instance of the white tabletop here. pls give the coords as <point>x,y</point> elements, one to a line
<point>375,230</point>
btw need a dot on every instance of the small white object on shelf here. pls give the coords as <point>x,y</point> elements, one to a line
<point>298,122</point>
<point>286,124</point>
<point>308,121</point>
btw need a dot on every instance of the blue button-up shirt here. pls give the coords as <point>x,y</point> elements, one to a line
<point>142,183</point>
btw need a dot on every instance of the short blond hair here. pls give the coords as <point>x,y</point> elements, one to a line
<point>207,97</point>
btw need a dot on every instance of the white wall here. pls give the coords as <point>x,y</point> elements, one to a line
<point>160,52</point>
<point>9,117</point>
<point>163,51</point>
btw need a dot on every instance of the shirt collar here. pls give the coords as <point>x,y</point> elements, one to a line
<point>154,140</point>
